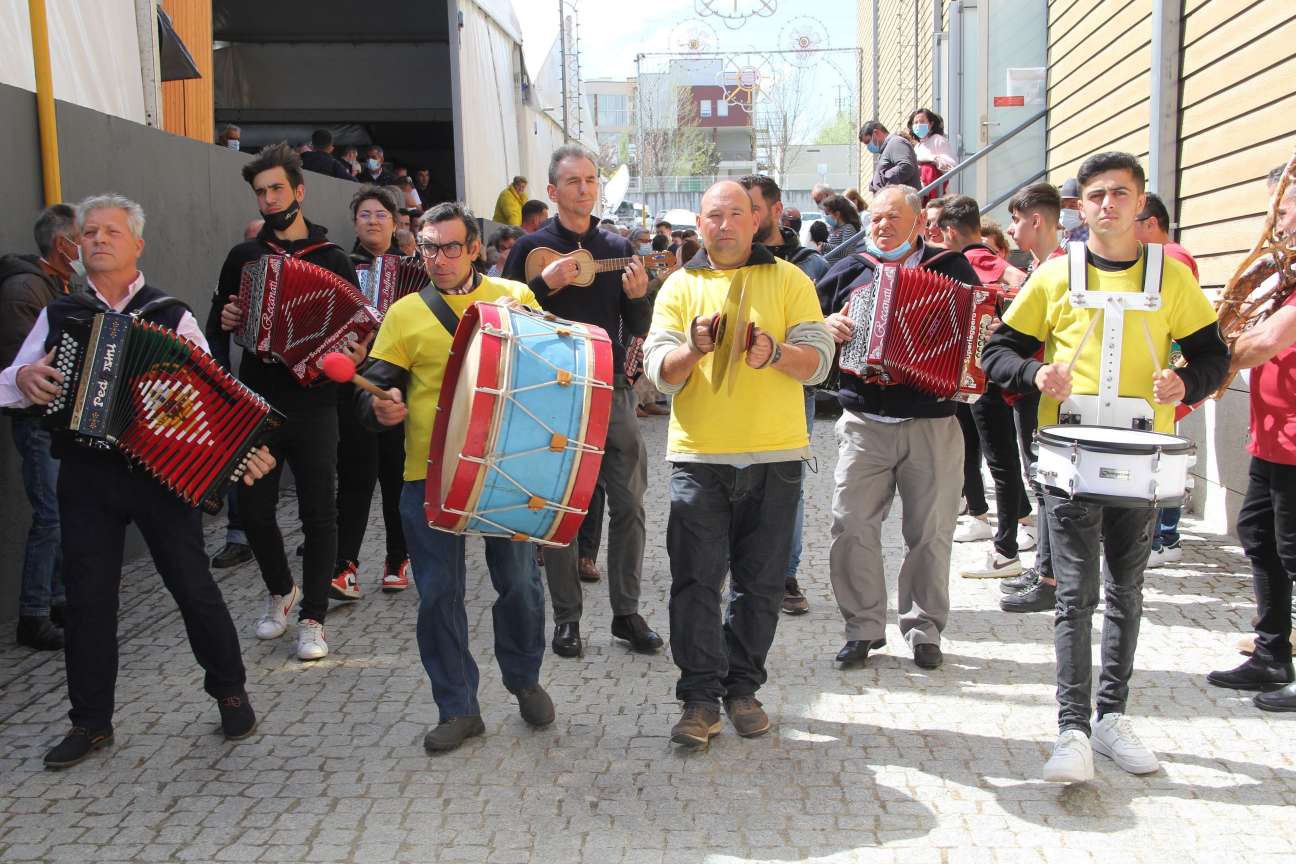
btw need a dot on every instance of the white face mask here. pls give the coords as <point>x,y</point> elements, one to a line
<point>1070,219</point>
<point>232,144</point>
<point>77,267</point>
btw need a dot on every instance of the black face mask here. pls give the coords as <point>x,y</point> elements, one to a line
<point>281,220</point>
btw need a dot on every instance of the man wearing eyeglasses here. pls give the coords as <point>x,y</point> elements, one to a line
<point>410,357</point>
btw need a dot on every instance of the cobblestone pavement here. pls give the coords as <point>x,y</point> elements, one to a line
<point>886,763</point>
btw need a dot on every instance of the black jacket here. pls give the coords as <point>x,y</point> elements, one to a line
<point>806,259</point>
<point>325,163</point>
<point>272,380</point>
<point>384,178</point>
<point>25,289</point>
<point>604,302</point>
<point>894,400</point>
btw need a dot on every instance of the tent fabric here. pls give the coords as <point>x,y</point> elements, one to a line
<point>94,54</point>
<point>489,76</point>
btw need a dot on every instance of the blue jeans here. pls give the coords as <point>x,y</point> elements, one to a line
<point>42,576</point>
<point>1167,528</point>
<point>234,532</point>
<point>735,521</point>
<point>794,560</point>
<point>437,559</point>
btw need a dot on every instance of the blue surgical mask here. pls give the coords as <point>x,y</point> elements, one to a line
<point>372,164</point>
<point>873,148</point>
<point>1070,219</point>
<point>831,220</point>
<point>921,129</point>
<point>894,255</point>
<point>232,144</point>
<point>645,249</point>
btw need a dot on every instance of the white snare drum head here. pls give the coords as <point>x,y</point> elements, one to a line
<point>460,411</point>
<point>1113,435</point>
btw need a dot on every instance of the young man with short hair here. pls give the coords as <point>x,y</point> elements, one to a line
<point>1052,312</point>
<point>320,157</point>
<point>534,214</point>
<point>1153,226</point>
<point>308,438</point>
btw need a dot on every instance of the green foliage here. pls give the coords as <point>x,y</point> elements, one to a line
<point>840,131</point>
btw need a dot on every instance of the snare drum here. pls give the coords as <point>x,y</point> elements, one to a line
<point>1114,467</point>
<point>520,426</point>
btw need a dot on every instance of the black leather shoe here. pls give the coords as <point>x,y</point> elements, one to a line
<point>856,651</point>
<point>535,706</point>
<point>37,631</point>
<point>1021,582</point>
<point>452,732</point>
<point>1278,700</point>
<point>231,555</point>
<point>57,611</point>
<point>927,655</point>
<point>1254,674</point>
<point>1042,597</point>
<point>567,640</point>
<point>238,720</point>
<point>76,746</point>
<point>635,630</point>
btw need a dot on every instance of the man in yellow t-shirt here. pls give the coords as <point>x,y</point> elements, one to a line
<point>508,206</point>
<point>735,448</point>
<point>1112,196</point>
<point>410,357</point>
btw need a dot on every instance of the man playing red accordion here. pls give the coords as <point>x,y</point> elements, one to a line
<point>99,495</point>
<point>893,437</point>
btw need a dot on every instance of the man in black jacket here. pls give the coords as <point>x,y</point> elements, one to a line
<point>618,303</point>
<point>320,157</point>
<point>893,437</point>
<point>308,438</point>
<point>27,286</point>
<point>373,170</point>
<point>894,160</point>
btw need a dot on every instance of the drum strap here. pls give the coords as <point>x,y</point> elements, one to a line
<point>440,308</point>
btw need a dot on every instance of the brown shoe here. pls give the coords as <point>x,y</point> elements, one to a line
<point>655,410</point>
<point>698,725</point>
<point>747,716</point>
<point>588,570</point>
<point>794,602</point>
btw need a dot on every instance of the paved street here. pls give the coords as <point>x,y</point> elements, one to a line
<point>887,763</point>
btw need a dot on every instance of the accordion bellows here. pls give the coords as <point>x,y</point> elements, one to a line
<point>389,278</point>
<point>162,401</point>
<point>295,312</point>
<point>920,329</point>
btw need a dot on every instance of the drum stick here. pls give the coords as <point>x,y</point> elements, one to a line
<point>1147,334</point>
<point>1093,322</point>
<point>338,367</point>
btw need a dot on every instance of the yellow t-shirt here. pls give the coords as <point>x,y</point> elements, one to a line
<point>412,338</point>
<point>1043,310</point>
<point>766,411</point>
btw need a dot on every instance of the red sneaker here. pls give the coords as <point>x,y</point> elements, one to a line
<point>395,579</point>
<point>345,585</point>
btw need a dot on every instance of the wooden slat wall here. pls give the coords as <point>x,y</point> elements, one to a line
<point>897,76</point>
<point>188,107</point>
<point>1099,54</point>
<point>1238,121</point>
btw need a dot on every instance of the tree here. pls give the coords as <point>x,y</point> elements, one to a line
<point>840,131</point>
<point>670,141</point>
<point>783,118</point>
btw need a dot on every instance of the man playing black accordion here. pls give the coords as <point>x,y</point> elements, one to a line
<point>100,494</point>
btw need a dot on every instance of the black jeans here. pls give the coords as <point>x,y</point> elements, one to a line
<point>306,442</point>
<point>591,529</point>
<point>1000,444</point>
<point>725,519</point>
<point>1267,528</point>
<point>1078,534</point>
<point>1026,413</point>
<point>973,485</point>
<point>98,497</point>
<point>364,459</point>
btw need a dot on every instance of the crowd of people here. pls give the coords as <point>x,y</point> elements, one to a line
<point>736,453</point>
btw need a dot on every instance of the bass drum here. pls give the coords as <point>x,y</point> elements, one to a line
<point>520,426</point>
<point>1114,467</point>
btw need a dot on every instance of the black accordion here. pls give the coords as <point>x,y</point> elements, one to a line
<point>161,401</point>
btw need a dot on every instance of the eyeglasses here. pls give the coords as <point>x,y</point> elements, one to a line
<point>452,249</point>
<point>373,216</point>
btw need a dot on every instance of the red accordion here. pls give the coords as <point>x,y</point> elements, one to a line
<point>160,400</point>
<point>390,277</point>
<point>295,312</point>
<point>920,329</point>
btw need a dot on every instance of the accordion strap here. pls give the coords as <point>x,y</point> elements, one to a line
<point>440,308</point>
<point>299,253</point>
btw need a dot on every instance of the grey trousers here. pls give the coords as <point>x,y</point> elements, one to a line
<point>923,458</point>
<point>624,474</point>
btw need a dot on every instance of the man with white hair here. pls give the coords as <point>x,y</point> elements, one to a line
<point>99,494</point>
<point>820,193</point>
<point>889,438</point>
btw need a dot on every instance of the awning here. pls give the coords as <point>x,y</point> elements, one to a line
<point>176,61</point>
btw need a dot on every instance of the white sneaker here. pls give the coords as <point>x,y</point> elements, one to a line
<point>1072,759</point>
<point>1165,555</point>
<point>274,622</point>
<point>1026,540</point>
<point>972,529</point>
<point>962,506</point>
<point>995,567</point>
<point>1113,737</point>
<point>310,640</point>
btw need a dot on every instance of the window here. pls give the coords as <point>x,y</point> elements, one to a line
<point>722,108</point>
<point>611,110</point>
<point>704,108</point>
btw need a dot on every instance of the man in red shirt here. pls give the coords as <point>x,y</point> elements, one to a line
<point>1267,522</point>
<point>1153,226</point>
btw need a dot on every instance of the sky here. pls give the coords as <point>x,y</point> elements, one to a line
<point>612,33</point>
